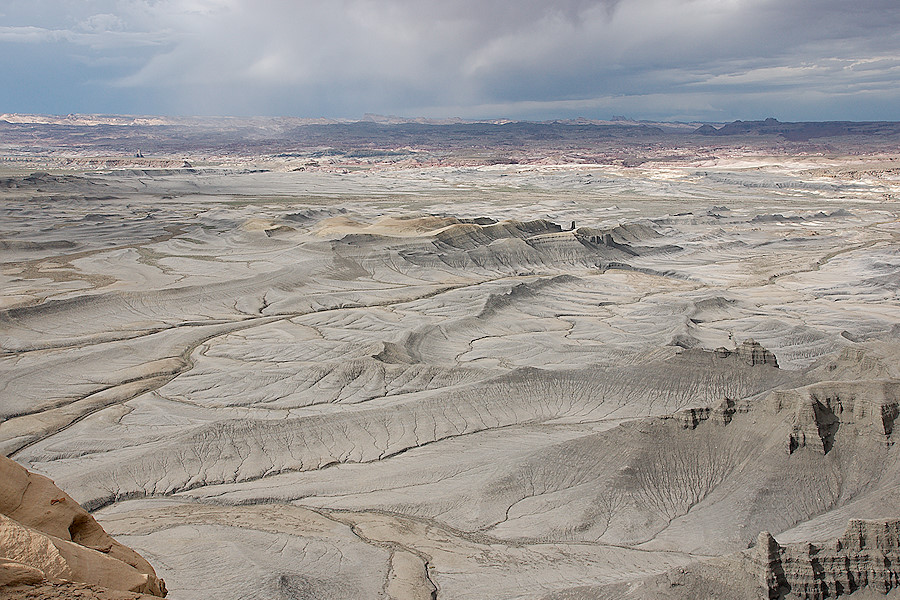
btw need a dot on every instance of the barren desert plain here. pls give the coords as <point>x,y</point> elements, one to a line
<point>405,360</point>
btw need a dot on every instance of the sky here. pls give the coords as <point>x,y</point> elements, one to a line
<point>674,60</point>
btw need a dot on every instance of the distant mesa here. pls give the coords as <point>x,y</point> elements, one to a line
<point>740,127</point>
<point>801,131</point>
<point>706,129</point>
<point>775,218</point>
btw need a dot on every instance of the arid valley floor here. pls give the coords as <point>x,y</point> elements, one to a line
<point>346,371</point>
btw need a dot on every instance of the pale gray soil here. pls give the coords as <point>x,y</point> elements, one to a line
<point>325,385</point>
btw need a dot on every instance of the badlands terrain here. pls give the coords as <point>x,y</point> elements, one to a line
<point>553,361</point>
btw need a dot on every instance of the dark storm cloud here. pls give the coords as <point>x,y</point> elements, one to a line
<point>703,59</point>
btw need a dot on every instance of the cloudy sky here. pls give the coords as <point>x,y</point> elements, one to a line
<point>714,60</point>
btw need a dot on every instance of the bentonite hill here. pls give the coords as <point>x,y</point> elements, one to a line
<point>393,359</point>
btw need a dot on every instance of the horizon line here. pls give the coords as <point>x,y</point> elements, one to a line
<point>25,117</point>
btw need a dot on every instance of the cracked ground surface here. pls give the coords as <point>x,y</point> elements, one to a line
<point>416,384</point>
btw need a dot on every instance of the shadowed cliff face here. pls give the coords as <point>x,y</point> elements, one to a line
<point>866,556</point>
<point>428,381</point>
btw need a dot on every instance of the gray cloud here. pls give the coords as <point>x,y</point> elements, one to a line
<point>704,59</point>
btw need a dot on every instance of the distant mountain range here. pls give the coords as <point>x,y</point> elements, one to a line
<point>580,139</point>
<point>803,131</point>
<point>154,120</point>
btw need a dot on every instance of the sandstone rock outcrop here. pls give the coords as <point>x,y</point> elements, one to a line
<point>47,538</point>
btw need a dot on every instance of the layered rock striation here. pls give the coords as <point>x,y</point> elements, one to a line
<point>750,352</point>
<point>866,556</point>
